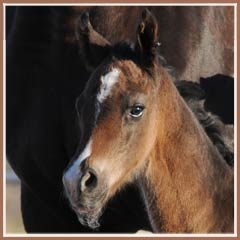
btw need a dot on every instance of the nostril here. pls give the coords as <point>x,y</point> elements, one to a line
<point>89,180</point>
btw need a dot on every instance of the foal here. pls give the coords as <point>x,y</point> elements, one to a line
<point>143,130</point>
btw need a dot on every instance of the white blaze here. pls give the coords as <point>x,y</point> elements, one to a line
<point>108,82</point>
<point>73,172</point>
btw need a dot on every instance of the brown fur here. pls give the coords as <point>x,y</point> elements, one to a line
<point>186,184</point>
<point>196,41</point>
<point>193,186</point>
<point>186,188</point>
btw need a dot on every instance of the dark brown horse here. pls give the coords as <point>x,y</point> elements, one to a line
<point>143,130</point>
<point>196,41</point>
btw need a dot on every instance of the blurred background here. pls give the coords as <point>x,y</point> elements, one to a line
<point>14,222</point>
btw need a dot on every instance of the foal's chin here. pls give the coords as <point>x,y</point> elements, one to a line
<point>90,208</point>
<point>89,218</point>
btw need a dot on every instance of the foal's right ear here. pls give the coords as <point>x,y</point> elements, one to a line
<point>93,47</point>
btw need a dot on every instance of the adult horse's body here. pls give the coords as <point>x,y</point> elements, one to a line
<point>45,75</point>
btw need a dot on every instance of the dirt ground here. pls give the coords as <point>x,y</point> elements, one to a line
<point>13,213</point>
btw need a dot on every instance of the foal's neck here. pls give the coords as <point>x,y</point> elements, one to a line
<point>188,186</point>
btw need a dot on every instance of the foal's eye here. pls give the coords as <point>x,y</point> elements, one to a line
<point>136,111</point>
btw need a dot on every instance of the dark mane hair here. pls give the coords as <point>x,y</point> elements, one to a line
<point>192,93</point>
<point>124,50</point>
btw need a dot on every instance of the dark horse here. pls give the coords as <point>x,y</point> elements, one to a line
<point>45,75</point>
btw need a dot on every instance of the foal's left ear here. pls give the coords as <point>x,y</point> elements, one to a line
<point>147,38</point>
<point>93,46</point>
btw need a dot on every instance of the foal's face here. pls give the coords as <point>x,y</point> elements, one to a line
<point>125,110</point>
<point>119,106</point>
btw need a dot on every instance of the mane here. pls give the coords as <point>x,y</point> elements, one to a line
<point>125,50</point>
<point>192,93</point>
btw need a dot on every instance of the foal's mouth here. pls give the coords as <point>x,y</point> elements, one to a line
<point>89,207</point>
<point>89,215</point>
<point>89,218</point>
<point>87,193</point>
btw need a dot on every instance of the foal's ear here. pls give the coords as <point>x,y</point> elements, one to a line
<point>93,47</point>
<point>147,38</point>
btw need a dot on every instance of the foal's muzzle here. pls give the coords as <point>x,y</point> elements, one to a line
<point>86,192</point>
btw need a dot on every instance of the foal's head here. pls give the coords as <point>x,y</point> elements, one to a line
<point>120,103</point>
